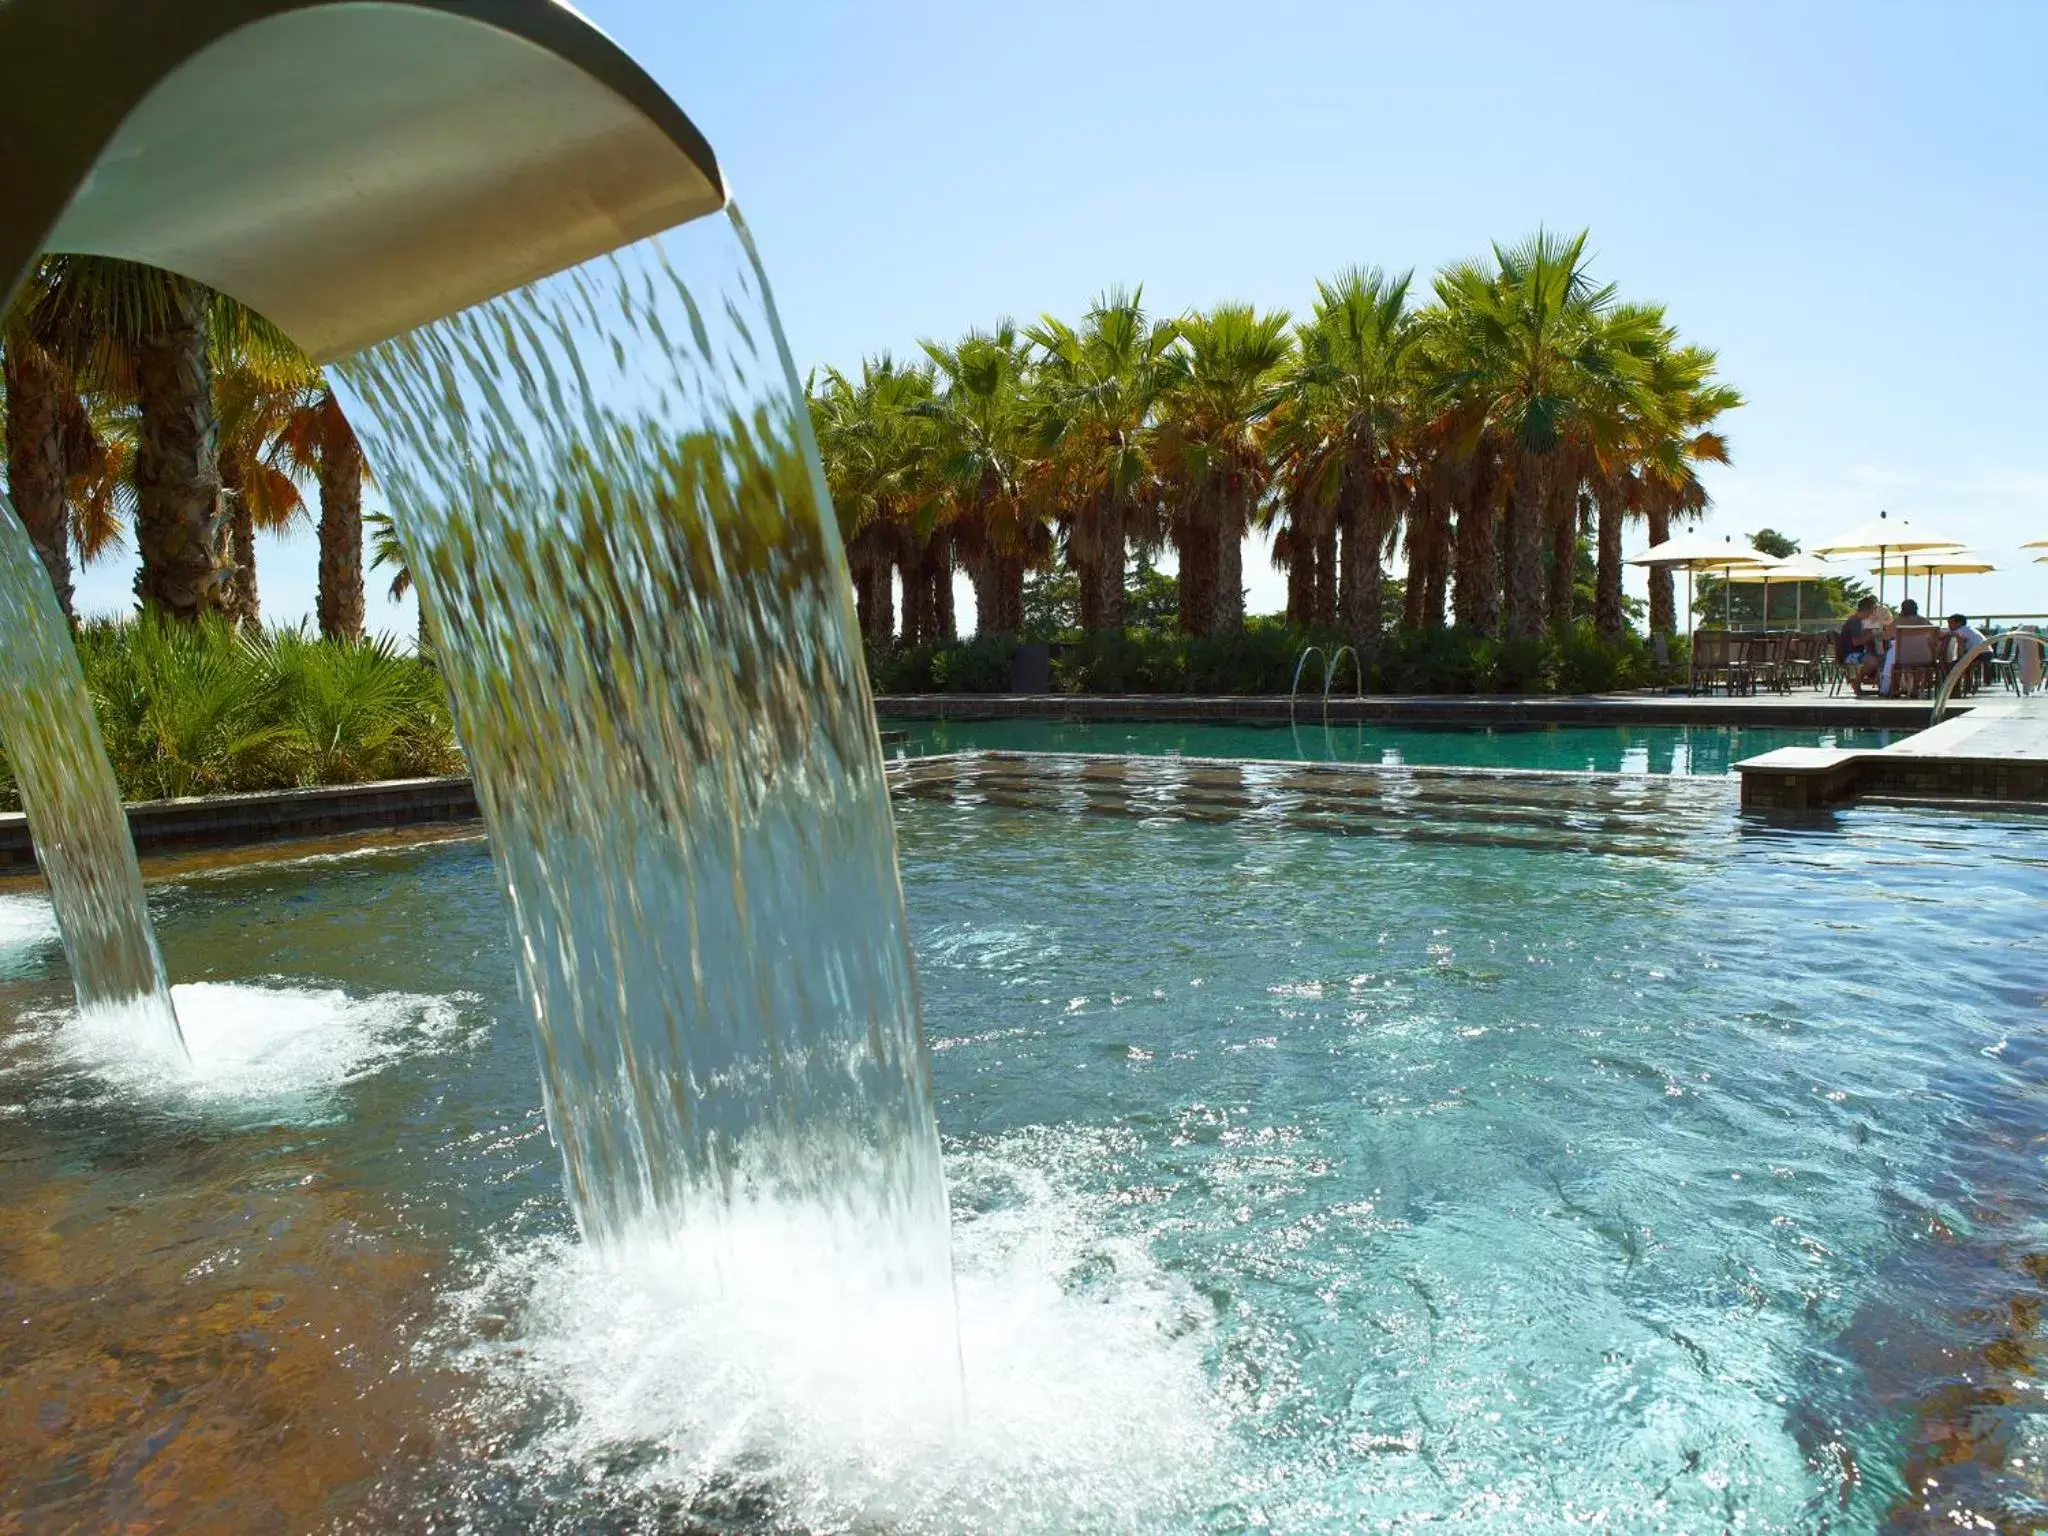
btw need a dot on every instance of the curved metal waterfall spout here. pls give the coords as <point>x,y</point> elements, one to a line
<point>351,169</point>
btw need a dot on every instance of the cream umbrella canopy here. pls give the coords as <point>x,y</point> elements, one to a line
<point>1697,552</point>
<point>1797,569</point>
<point>1943,563</point>
<point>1884,536</point>
<point>1691,552</point>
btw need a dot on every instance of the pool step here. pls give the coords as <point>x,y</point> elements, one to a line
<point>1609,813</point>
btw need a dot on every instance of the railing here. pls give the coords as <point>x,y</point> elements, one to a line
<point>1977,653</point>
<point>1299,665</point>
<point>1332,672</point>
<point>1333,663</point>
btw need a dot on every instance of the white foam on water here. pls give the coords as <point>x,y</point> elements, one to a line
<point>838,1399</point>
<point>27,924</point>
<point>253,1043</point>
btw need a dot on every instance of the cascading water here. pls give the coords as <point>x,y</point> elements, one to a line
<point>610,502</point>
<point>74,806</point>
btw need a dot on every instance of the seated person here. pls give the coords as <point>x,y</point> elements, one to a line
<point>1909,618</point>
<point>1859,647</point>
<point>1963,638</point>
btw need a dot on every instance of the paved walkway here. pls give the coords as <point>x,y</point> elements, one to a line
<point>1997,751</point>
<point>1803,709</point>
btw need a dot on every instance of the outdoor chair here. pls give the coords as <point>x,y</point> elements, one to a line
<point>1807,658</point>
<point>1971,681</point>
<point>1916,661</point>
<point>1755,663</point>
<point>1712,660</point>
<point>2016,663</point>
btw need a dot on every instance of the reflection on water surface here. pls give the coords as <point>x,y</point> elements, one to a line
<point>1302,1182</point>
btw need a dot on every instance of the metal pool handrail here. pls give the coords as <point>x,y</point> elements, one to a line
<point>1299,666</point>
<point>1330,677</point>
<point>1970,658</point>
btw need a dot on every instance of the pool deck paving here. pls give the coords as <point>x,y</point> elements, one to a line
<point>1997,751</point>
<point>1801,710</point>
<point>1994,749</point>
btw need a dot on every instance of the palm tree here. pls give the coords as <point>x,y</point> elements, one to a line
<point>387,552</point>
<point>317,441</point>
<point>1212,452</point>
<point>135,336</point>
<point>254,402</point>
<point>875,447</point>
<point>1685,437</point>
<point>37,385</point>
<point>1344,402</point>
<point>1101,384</point>
<point>982,420</point>
<point>1536,363</point>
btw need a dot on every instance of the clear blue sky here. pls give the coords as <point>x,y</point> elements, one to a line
<point>1846,200</point>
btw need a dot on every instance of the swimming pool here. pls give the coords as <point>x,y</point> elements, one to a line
<point>1713,750</point>
<point>1674,1182</point>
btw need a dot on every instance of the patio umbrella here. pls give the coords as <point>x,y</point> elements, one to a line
<point>1884,536</point>
<point>1797,569</point>
<point>1943,563</point>
<point>1696,552</point>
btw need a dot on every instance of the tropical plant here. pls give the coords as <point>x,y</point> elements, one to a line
<point>982,429</point>
<point>1338,434</point>
<point>209,708</point>
<point>317,442</point>
<point>1211,451</point>
<point>876,444</point>
<point>1100,384</point>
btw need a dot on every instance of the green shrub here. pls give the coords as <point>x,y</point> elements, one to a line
<point>1436,661</point>
<point>202,709</point>
<point>979,665</point>
<point>1588,664</point>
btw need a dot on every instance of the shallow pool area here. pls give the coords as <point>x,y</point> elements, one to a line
<point>1701,749</point>
<point>1302,1181</point>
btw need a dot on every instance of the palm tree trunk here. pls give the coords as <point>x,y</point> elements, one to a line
<point>1417,582</point>
<point>859,572</point>
<point>1437,576</point>
<point>916,598</point>
<point>984,571</point>
<point>1099,561</point>
<point>1476,597</point>
<point>243,605</point>
<point>1226,598</point>
<point>1663,600</point>
<point>939,606</point>
<point>1523,618</point>
<point>1009,594</point>
<point>247,607</point>
<point>1300,554</point>
<point>1323,611</point>
<point>1359,591</point>
<point>177,477</point>
<point>1429,535</point>
<point>341,529</point>
<point>1564,559</point>
<point>1197,548</point>
<point>1608,616</point>
<point>35,460</point>
<point>881,625</point>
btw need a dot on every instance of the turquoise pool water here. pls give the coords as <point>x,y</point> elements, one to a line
<point>1302,1183</point>
<point>1611,749</point>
